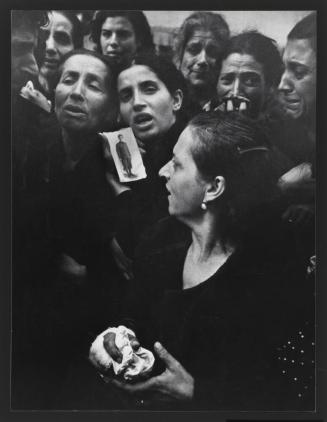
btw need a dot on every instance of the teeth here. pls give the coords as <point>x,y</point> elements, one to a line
<point>229,106</point>
<point>243,106</point>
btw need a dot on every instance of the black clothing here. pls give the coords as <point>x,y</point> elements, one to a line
<point>229,333</point>
<point>146,202</point>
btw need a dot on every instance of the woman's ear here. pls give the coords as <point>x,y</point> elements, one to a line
<point>215,189</point>
<point>177,100</point>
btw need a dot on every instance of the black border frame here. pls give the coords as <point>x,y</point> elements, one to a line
<point>5,228</point>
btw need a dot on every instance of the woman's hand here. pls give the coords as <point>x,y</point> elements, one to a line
<point>175,383</point>
<point>109,344</point>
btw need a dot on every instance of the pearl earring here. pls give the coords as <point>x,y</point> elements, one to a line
<point>204,206</point>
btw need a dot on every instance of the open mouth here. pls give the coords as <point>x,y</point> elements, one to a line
<point>74,109</point>
<point>142,120</point>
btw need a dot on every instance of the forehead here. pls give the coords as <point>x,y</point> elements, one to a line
<point>117,22</point>
<point>202,36</point>
<point>137,74</point>
<point>59,22</point>
<point>299,51</point>
<point>241,63</point>
<point>183,146</point>
<point>86,64</point>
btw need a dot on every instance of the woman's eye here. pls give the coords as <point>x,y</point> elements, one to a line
<point>62,38</point>
<point>124,96</point>
<point>226,80</point>
<point>252,80</point>
<point>67,81</point>
<point>194,48</point>
<point>150,89</point>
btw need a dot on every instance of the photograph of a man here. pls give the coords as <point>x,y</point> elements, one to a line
<point>124,156</point>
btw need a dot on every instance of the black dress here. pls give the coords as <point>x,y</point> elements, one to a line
<point>230,331</point>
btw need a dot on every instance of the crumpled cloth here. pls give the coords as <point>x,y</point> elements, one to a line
<point>134,364</point>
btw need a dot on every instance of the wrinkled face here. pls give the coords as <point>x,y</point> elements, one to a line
<point>186,188</point>
<point>146,105</point>
<point>118,40</point>
<point>58,38</point>
<point>82,94</point>
<point>23,63</point>
<point>200,57</point>
<point>242,76</point>
<point>298,82</point>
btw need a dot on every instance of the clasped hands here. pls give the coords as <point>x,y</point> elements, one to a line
<point>174,384</point>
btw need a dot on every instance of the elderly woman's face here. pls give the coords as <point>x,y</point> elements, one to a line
<point>82,94</point>
<point>186,187</point>
<point>146,105</point>
<point>58,38</point>
<point>118,40</point>
<point>200,57</point>
<point>242,76</point>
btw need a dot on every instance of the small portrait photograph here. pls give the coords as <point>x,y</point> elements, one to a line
<point>126,155</point>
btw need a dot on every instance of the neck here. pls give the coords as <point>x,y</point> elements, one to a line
<point>75,144</point>
<point>207,240</point>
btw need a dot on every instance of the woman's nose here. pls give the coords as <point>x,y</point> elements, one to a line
<point>202,57</point>
<point>113,39</point>
<point>138,100</point>
<point>77,90</point>
<point>164,171</point>
<point>285,83</point>
<point>50,44</point>
<point>236,87</point>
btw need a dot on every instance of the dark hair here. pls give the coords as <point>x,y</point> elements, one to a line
<point>263,49</point>
<point>209,21</point>
<point>137,19</point>
<point>234,146</point>
<point>306,28</point>
<point>77,34</point>
<point>167,72</point>
<point>30,18</point>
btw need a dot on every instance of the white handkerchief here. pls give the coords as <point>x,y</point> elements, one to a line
<point>134,364</point>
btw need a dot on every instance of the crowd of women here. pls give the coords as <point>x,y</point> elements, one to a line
<point>210,259</point>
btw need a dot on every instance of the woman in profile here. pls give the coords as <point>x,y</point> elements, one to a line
<point>219,301</point>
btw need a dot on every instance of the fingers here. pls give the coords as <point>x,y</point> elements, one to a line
<point>111,348</point>
<point>140,387</point>
<point>163,354</point>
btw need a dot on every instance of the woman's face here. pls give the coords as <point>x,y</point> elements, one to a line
<point>146,105</point>
<point>242,76</point>
<point>58,38</point>
<point>186,188</point>
<point>200,57</point>
<point>118,40</point>
<point>82,96</point>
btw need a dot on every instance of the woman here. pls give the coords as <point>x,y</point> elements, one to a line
<point>81,211</point>
<point>153,102</point>
<point>62,34</point>
<point>207,291</point>
<point>199,47</point>
<point>249,76</point>
<point>120,34</point>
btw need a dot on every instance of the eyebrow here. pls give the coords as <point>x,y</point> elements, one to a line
<point>89,76</point>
